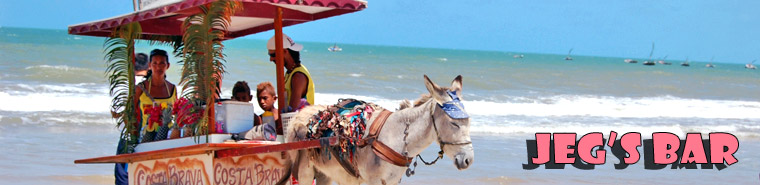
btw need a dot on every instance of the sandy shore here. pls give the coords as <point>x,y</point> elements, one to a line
<point>59,179</point>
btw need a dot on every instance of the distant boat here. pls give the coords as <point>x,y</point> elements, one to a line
<point>335,48</point>
<point>685,63</point>
<point>710,65</point>
<point>568,55</point>
<point>630,61</point>
<point>518,56</point>
<point>650,62</point>
<point>663,61</point>
<point>750,65</point>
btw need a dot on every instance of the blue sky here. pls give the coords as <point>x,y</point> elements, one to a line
<point>725,29</point>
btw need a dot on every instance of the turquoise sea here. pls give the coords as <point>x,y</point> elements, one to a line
<point>54,104</point>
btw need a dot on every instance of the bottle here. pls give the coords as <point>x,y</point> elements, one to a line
<point>220,113</point>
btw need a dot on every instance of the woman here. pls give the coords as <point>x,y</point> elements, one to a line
<point>155,91</point>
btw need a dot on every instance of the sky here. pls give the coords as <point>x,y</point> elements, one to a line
<point>699,29</point>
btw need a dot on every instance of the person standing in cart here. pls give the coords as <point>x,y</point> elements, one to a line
<point>141,67</point>
<point>299,86</point>
<point>154,91</point>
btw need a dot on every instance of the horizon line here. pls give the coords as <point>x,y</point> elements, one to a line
<point>418,47</point>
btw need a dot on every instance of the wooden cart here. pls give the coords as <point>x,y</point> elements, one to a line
<point>215,160</point>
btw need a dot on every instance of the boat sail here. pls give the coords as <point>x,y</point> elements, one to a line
<point>649,61</point>
<point>568,55</point>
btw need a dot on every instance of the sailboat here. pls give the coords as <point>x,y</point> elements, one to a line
<point>650,62</point>
<point>663,61</point>
<point>335,48</point>
<point>685,63</point>
<point>630,61</point>
<point>568,55</point>
<point>750,65</point>
<point>710,65</point>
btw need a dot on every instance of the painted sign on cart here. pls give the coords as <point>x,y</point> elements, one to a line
<point>203,169</point>
<point>186,170</point>
<point>260,169</point>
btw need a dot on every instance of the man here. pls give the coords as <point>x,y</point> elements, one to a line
<point>141,67</point>
<point>299,86</point>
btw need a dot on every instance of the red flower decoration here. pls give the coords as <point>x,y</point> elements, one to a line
<point>154,115</point>
<point>185,112</point>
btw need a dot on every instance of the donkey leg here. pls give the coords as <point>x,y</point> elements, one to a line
<point>385,181</point>
<point>304,171</point>
<point>385,174</point>
<point>321,178</point>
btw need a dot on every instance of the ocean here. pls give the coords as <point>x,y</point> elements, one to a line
<point>55,105</point>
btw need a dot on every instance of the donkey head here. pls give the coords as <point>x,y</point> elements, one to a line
<point>451,122</point>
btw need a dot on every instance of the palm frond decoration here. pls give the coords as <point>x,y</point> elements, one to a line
<point>120,70</point>
<point>201,47</point>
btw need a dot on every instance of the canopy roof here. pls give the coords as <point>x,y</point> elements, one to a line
<point>256,16</point>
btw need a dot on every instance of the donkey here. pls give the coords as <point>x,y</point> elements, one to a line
<point>438,116</point>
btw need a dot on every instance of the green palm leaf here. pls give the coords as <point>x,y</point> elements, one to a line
<point>202,48</point>
<point>119,49</point>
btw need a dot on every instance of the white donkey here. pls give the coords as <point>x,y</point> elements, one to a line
<point>438,116</point>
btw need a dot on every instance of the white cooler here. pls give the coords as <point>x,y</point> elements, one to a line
<point>234,116</point>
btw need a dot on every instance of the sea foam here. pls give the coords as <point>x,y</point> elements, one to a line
<point>602,106</point>
<point>43,101</point>
<point>564,113</point>
<point>93,98</point>
<point>665,106</point>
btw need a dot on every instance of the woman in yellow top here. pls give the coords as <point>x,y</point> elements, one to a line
<point>298,82</point>
<point>155,91</point>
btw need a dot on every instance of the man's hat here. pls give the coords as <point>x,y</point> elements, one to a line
<point>287,43</point>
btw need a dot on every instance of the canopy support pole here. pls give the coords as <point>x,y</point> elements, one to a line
<point>280,64</point>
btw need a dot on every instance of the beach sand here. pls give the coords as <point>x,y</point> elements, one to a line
<point>60,179</point>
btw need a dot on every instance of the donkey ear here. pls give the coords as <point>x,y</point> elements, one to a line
<point>435,91</point>
<point>456,85</point>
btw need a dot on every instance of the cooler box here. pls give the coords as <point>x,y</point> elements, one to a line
<point>234,116</point>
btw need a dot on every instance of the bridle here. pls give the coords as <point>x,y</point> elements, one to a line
<point>441,143</point>
<point>454,109</point>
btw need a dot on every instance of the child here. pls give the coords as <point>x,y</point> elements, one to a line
<point>266,97</point>
<point>266,131</point>
<point>241,92</point>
